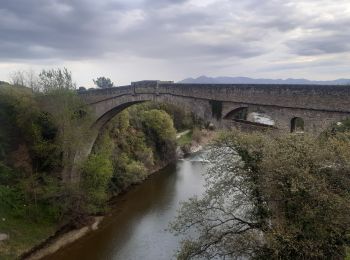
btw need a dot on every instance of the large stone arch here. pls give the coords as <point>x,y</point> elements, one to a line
<point>105,118</point>
<point>107,109</point>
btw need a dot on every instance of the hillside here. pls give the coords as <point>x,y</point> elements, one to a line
<point>246,80</point>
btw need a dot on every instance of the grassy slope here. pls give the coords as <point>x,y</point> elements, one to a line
<point>24,234</point>
<point>185,139</point>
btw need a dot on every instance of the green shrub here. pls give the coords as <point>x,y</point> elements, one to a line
<point>97,173</point>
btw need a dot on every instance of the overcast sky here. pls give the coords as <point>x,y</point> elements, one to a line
<point>130,40</point>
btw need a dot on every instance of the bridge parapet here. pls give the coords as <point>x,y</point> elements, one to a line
<point>314,97</point>
<point>317,97</point>
<point>99,95</point>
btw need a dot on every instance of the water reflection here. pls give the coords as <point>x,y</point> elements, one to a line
<point>136,229</point>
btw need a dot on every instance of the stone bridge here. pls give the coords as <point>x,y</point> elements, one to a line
<point>309,108</point>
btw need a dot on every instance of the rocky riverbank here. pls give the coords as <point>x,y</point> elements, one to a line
<point>196,143</point>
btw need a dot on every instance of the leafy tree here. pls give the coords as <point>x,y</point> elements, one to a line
<point>29,154</point>
<point>71,117</point>
<point>132,159</point>
<point>50,129</point>
<point>97,173</point>
<point>143,138</point>
<point>56,80</point>
<point>159,128</point>
<point>182,119</point>
<point>271,198</point>
<point>160,122</point>
<point>103,82</point>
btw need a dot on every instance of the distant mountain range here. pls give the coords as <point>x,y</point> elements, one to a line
<point>245,80</point>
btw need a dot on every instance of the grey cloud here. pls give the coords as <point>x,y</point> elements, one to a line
<point>57,25</point>
<point>287,66</point>
<point>318,45</point>
<point>164,29</point>
<point>86,29</point>
<point>276,14</point>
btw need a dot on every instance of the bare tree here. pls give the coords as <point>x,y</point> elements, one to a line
<point>17,78</point>
<point>32,80</point>
<point>25,78</point>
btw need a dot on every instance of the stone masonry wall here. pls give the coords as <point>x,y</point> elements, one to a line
<point>319,106</point>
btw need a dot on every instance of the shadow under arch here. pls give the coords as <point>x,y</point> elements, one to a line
<point>297,125</point>
<point>106,117</point>
<point>240,113</point>
<point>251,116</point>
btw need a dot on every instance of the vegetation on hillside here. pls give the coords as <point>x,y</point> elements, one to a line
<point>42,132</point>
<point>143,139</point>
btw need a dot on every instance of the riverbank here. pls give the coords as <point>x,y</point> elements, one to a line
<point>61,239</point>
<point>65,236</point>
<point>22,235</point>
<point>68,234</point>
<point>137,225</point>
<point>193,141</point>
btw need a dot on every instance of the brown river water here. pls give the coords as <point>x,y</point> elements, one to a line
<point>136,227</point>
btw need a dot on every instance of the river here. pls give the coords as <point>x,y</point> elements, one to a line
<point>136,227</point>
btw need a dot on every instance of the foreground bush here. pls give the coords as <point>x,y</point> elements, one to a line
<point>271,198</point>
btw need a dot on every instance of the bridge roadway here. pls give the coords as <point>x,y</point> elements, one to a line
<point>318,106</point>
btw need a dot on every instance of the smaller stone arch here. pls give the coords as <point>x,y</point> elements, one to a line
<point>240,113</point>
<point>261,118</point>
<point>297,125</point>
<point>251,115</point>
